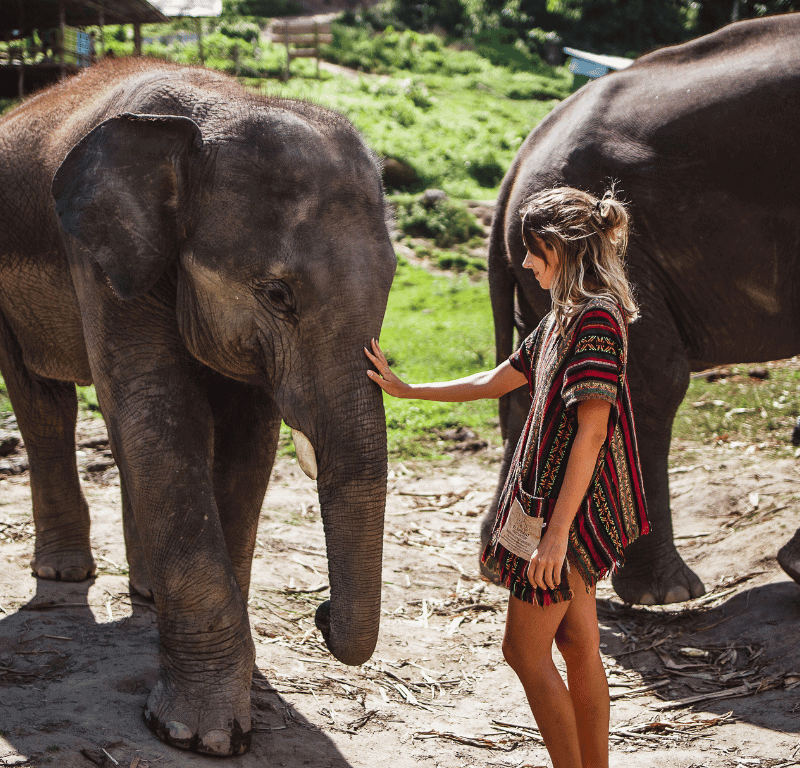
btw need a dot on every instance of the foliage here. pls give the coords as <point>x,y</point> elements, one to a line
<point>446,222</point>
<point>222,48</point>
<point>436,328</point>
<point>741,411</point>
<point>513,30</point>
<point>459,133</point>
<point>261,8</point>
<point>6,105</point>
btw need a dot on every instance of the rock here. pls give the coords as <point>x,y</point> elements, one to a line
<point>484,214</point>
<point>759,373</point>
<point>14,760</point>
<point>719,373</point>
<point>97,756</point>
<point>396,173</point>
<point>464,439</point>
<point>8,443</point>
<point>432,197</point>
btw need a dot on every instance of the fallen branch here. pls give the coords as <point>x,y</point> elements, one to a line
<point>471,741</point>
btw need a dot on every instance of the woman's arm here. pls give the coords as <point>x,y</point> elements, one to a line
<point>483,385</point>
<point>545,567</point>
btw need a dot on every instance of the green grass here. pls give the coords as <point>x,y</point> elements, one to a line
<point>436,328</point>
<point>459,134</point>
<point>742,410</point>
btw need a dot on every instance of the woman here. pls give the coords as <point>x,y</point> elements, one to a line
<point>573,498</point>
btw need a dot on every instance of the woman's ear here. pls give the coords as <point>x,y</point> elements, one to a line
<point>119,190</point>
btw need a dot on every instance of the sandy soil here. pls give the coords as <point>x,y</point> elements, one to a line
<point>712,683</point>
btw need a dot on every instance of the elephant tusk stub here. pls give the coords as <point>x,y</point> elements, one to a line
<point>305,453</point>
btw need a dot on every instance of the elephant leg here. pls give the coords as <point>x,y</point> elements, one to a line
<point>789,556</point>
<point>46,413</point>
<point>518,405</point>
<point>162,430</point>
<point>654,573</point>
<point>246,429</point>
<point>138,573</point>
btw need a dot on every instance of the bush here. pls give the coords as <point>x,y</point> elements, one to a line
<point>486,169</point>
<point>244,30</point>
<point>459,262</point>
<point>446,222</point>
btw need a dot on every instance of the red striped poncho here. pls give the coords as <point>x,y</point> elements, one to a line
<point>587,364</point>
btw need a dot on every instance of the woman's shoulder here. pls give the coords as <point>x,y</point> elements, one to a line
<point>603,311</point>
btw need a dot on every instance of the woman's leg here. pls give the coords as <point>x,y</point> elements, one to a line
<point>528,649</point>
<point>578,640</point>
<point>573,723</point>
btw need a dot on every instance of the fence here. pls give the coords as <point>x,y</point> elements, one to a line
<point>302,38</point>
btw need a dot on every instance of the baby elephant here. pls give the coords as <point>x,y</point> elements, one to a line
<point>214,262</point>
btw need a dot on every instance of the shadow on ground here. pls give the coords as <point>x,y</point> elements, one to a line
<point>74,679</point>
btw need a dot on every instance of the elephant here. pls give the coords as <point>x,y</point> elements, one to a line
<point>699,140</point>
<point>213,261</point>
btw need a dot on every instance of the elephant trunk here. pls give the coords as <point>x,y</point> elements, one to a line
<point>352,493</point>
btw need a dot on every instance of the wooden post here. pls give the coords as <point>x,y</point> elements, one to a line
<point>137,39</point>
<point>200,53</point>
<point>21,78</point>
<point>102,24</point>
<point>236,62</point>
<point>61,38</point>
<point>286,44</point>
<point>316,45</point>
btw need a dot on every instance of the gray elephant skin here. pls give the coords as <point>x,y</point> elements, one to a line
<point>701,140</point>
<point>214,262</point>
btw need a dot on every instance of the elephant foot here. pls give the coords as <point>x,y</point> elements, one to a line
<point>139,578</point>
<point>487,574</point>
<point>66,565</point>
<point>657,581</point>
<point>212,717</point>
<point>487,523</point>
<point>789,556</point>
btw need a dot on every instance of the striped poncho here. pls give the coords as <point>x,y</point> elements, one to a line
<point>587,364</point>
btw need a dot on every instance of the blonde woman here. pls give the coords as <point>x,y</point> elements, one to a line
<point>573,498</point>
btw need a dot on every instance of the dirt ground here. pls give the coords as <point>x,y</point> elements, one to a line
<point>714,682</point>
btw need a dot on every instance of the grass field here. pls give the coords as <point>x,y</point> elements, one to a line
<point>457,136</point>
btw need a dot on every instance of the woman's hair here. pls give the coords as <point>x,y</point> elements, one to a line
<point>590,237</point>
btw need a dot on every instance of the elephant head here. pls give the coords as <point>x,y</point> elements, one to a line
<point>267,229</point>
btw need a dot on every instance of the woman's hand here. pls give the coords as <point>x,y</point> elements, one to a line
<point>384,378</point>
<point>544,569</point>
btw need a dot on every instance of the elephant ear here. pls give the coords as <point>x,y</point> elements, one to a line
<point>119,192</point>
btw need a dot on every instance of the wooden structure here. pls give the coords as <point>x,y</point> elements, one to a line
<point>195,9</point>
<point>302,38</point>
<point>64,49</point>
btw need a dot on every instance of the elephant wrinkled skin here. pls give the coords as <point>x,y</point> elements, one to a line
<point>701,140</point>
<point>214,262</point>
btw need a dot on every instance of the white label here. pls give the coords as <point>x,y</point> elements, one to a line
<point>521,533</point>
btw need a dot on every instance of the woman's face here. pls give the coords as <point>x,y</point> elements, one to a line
<point>543,263</point>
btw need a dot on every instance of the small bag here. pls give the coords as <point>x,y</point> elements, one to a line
<point>521,533</point>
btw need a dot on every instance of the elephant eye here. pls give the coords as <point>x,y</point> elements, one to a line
<point>277,296</point>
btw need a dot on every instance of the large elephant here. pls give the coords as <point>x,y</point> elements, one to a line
<point>214,262</point>
<point>701,139</point>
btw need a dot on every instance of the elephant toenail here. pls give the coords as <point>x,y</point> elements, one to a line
<point>677,595</point>
<point>73,574</point>
<point>216,742</point>
<point>46,572</point>
<point>647,599</point>
<point>178,733</point>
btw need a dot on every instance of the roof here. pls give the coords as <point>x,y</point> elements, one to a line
<point>594,64</point>
<point>25,15</point>
<point>194,8</point>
